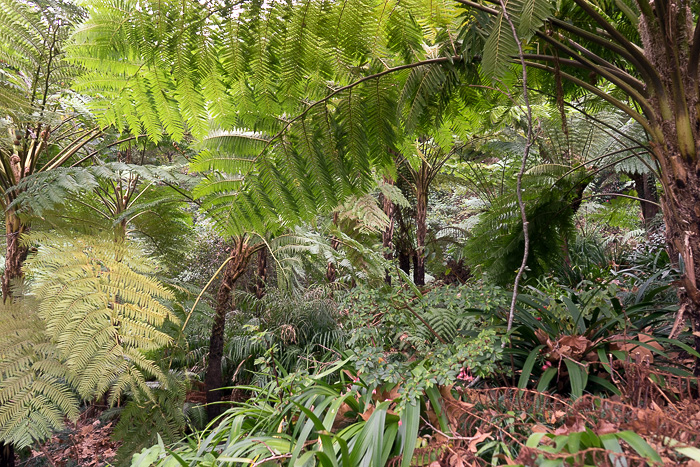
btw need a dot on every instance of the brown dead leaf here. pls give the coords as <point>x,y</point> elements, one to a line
<point>540,429</point>
<point>455,460</point>
<point>367,413</point>
<point>604,427</point>
<point>476,439</point>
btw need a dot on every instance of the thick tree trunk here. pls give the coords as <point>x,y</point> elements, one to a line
<point>681,209</point>
<point>15,253</point>
<point>213,379</point>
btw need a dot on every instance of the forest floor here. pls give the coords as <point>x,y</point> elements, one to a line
<point>85,443</point>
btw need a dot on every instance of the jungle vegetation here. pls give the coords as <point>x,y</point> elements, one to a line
<point>352,232</point>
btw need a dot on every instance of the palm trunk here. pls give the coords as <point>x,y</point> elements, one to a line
<point>681,208</point>
<point>213,379</point>
<point>15,253</point>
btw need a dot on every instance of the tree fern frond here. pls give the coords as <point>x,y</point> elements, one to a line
<point>102,310</point>
<point>36,392</point>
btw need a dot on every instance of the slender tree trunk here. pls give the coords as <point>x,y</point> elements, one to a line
<point>213,379</point>
<point>388,233</point>
<point>421,224</point>
<point>262,274</point>
<point>331,274</point>
<point>15,253</point>
<point>403,244</point>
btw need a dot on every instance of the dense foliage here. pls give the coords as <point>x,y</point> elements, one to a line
<point>351,233</point>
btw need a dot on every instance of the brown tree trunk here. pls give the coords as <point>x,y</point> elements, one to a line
<point>331,273</point>
<point>262,274</point>
<point>681,209</point>
<point>403,244</point>
<point>213,379</point>
<point>388,233</point>
<point>7,455</point>
<point>15,254</point>
<point>644,186</point>
<point>421,224</point>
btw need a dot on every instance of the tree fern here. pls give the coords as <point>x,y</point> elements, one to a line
<point>148,416</point>
<point>36,387</point>
<point>102,311</point>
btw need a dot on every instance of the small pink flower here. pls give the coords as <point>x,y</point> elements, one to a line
<point>355,379</point>
<point>374,391</point>
<point>538,318</point>
<point>400,422</point>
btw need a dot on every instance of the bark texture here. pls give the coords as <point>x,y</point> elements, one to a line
<point>238,260</point>
<point>644,186</point>
<point>423,177</point>
<point>671,45</point>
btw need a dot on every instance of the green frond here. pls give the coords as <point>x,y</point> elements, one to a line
<point>102,310</point>
<point>36,387</point>
<point>499,48</point>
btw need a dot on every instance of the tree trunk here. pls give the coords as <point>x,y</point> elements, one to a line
<point>331,273</point>
<point>681,208</point>
<point>388,233</point>
<point>7,455</point>
<point>213,379</point>
<point>421,224</point>
<point>15,253</point>
<point>403,243</point>
<point>262,274</point>
<point>644,186</point>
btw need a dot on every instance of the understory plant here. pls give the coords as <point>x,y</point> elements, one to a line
<point>342,413</point>
<point>578,339</point>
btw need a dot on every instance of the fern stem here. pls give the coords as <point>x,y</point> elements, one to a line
<point>620,195</point>
<point>388,71</point>
<point>199,297</point>
<point>523,165</point>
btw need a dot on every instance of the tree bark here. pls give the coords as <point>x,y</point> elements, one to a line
<point>388,233</point>
<point>213,379</point>
<point>7,455</point>
<point>403,243</point>
<point>421,223</point>
<point>262,274</point>
<point>331,274</point>
<point>15,254</point>
<point>681,208</point>
<point>644,186</point>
